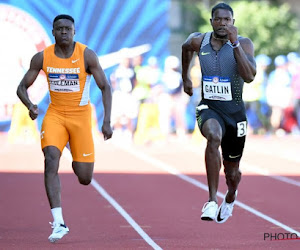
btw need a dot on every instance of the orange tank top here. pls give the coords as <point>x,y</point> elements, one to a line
<point>68,82</point>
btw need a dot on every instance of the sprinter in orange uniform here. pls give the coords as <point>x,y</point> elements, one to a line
<point>68,66</point>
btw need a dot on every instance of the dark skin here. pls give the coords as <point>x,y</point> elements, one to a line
<point>223,30</point>
<point>63,31</point>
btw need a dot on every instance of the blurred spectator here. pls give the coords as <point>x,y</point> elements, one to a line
<point>294,68</point>
<point>136,65</point>
<point>123,76</point>
<point>279,92</point>
<point>194,100</point>
<point>147,91</point>
<point>147,77</point>
<point>142,87</point>
<point>173,103</point>
<point>257,110</point>
<point>124,105</point>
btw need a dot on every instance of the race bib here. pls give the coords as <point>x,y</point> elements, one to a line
<point>64,82</point>
<point>217,88</point>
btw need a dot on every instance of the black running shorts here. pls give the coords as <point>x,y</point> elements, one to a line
<point>234,130</point>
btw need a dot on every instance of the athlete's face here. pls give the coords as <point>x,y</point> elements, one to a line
<point>63,31</point>
<point>220,21</point>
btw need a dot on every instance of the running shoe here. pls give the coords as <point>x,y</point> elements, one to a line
<point>209,211</point>
<point>225,210</point>
<point>59,231</point>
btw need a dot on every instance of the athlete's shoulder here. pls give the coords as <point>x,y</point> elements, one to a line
<point>245,40</point>
<point>195,36</point>
<point>196,40</point>
<point>37,60</point>
<point>90,57</point>
<point>198,36</point>
<point>247,46</point>
<point>89,52</point>
<point>193,41</point>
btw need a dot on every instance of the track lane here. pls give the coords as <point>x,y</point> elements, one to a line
<point>265,225</point>
<point>167,208</point>
<point>93,222</point>
<point>276,194</point>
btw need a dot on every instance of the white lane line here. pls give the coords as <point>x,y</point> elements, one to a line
<point>125,215</point>
<point>168,168</point>
<point>115,204</point>
<point>264,172</point>
<point>257,170</point>
<point>284,155</point>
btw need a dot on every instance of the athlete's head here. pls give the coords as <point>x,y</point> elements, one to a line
<point>223,6</point>
<point>63,16</point>
<point>63,29</point>
<point>221,18</point>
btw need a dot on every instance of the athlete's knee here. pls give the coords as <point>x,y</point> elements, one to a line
<point>213,138</point>
<point>85,181</point>
<point>51,161</point>
<point>51,153</point>
<point>212,131</point>
<point>84,171</point>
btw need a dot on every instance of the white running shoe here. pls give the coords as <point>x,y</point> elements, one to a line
<point>225,210</point>
<point>59,231</point>
<point>209,211</point>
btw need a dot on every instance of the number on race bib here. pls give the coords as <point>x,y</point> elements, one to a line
<point>241,129</point>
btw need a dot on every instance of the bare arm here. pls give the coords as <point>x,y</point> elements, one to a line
<point>36,65</point>
<point>93,66</point>
<point>244,55</point>
<point>191,45</point>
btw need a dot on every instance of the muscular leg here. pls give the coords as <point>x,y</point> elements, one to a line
<point>51,178</point>
<point>84,171</point>
<point>212,131</point>
<point>233,178</point>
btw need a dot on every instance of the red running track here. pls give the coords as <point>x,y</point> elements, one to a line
<point>151,198</point>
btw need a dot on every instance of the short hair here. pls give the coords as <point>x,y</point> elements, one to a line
<point>223,6</point>
<point>63,16</point>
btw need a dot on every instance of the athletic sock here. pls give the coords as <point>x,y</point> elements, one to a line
<point>57,215</point>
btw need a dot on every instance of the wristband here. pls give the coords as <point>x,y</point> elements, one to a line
<point>235,44</point>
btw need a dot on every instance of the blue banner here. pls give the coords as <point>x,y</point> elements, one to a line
<point>105,26</point>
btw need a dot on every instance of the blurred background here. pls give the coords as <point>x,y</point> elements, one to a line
<point>139,46</point>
